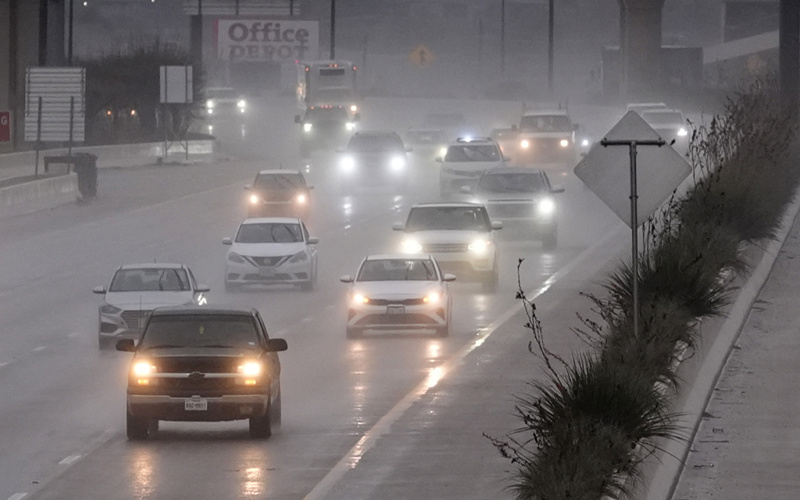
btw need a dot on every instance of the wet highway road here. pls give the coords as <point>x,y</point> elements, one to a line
<point>62,429</point>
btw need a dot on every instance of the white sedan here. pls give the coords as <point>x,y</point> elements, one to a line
<point>398,292</point>
<point>271,250</point>
<point>135,290</point>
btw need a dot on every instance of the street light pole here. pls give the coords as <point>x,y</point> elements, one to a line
<point>71,29</point>
<point>550,49</point>
<point>503,37</point>
<point>333,30</point>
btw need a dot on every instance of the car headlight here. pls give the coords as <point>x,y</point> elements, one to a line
<point>443,152</point>
<point>479,246</point>
<point>307,127</point>
<point>432,298</point>
<point>210,104</point>
<point>411,246</point>
<point>348,164</point>
<point>254,199</point>
<point>249,369</point>
<point>682,132</point>
<point>546,207</point>
<point>241,104</point>
<point>564,143</point>
<point>397,163</point>
<point>109,309</point>
<point>235,257</point>
<point>353,108</point>
<point>298,257</point>
<point>358,298</point>
<point>350,126</point>
<point>141,371</point>
<point>525,144</point>
<point>585,142</point>
<point>301,199</point>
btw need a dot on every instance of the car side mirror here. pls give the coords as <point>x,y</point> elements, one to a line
<point>227,241</point>
<point>398,226</point>
<point>346,278</point>
<point>496,225</point>
<point>202,288</point>
<point>556,189</point>
<point>313,240</point>
<point>449,277</point>
<point>125,345</point>
<point>276,345</point>
<point>99,290</point>
<point>297,119</point>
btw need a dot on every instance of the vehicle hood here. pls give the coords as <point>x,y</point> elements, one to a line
<point>501,197</point>
<point>396,289</point>
<point>148,300</point>
<point>189,353</point>
<point>471,166</point>
<point>268,249</point>
<point>556,135</point>
<point>447,236</point>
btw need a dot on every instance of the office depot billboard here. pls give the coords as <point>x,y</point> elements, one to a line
<point>253,40</point>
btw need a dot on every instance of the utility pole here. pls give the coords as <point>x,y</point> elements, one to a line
<point>333,30</point>
<point>71,29</point>
<point>503,37</point>
<point>789,52</point>
<point>550,26</point>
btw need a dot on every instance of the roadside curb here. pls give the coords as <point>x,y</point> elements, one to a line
<point>675,452</point>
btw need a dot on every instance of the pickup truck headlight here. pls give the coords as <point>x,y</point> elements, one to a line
<point>142,372</point>
<point>251,371</point>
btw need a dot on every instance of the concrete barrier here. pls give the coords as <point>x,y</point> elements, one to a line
<point>36,195</point>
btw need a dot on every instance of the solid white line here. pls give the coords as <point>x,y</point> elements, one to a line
<point>307,319</point>
<point>369,438</point>
<point>17,496</point>
<point>70,459</point>
<point>73,334</point>
<point>4,363</point>
<point>40,348</point>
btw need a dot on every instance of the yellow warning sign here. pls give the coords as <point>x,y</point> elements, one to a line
<point>421,56</point>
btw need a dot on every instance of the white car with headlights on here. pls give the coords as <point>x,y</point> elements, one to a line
<point>521,198</point>
<point>224,102</point>
<point>463,162</point>
<point>398,292</point>
<point>671,125</point>
<point>375,158</point>
<point>459,235</point>
<point>270,251</point>
<point>135,290</point>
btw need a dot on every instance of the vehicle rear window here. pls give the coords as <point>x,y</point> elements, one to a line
<point>662,118</point>
<point>448,218</point>
<point>546,123</point>
<point>213,331</point>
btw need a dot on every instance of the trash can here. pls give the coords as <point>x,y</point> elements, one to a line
<point>86,169</point>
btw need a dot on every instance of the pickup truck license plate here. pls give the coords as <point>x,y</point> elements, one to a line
<point>195,404</point>
<point>395,310</point>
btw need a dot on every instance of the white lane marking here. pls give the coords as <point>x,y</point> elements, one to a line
<point>70,459</point>
<point>4,363</point>
<point>17,496</point>
<point>370,437</point>
<point>307,319</point>
<point>73,335</point>
<point>40,348</point>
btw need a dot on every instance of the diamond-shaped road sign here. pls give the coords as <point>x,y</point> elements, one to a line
<point>606,170</point>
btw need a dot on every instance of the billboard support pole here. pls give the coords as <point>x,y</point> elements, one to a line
<point>38,135</point>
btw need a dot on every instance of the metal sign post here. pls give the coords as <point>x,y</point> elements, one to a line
<point>634,217</point>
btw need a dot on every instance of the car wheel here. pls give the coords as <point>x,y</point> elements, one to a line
<point>137,428</point>
<point>276,411</point>
<point>261,427</point>
<point>353,333</point>
<point>550,240</point>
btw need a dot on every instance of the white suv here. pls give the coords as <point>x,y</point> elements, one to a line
<point>458,235</point>
<point>464,162</point>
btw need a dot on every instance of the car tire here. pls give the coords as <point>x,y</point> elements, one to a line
<point>550,240</point>
<point>353,333</point>
<point>276,411</point>
<point>137,428</point>
<point>261,427</point>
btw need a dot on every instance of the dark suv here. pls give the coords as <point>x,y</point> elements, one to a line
<point>194,363</point>
<point>325,127</point>
<point>279,193</point>
<point>374,158</point>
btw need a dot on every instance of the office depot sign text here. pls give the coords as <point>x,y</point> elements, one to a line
<point>255,40</point>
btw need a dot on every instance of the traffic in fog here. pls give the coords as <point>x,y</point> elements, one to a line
<point>347,367</point>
